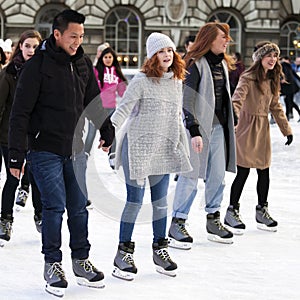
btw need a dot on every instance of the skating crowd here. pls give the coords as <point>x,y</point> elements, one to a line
<point>197,116</point>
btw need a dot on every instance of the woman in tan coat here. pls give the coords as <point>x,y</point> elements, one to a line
<point>257,93</point>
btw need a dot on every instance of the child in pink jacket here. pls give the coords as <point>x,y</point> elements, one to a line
<point>112,83</point>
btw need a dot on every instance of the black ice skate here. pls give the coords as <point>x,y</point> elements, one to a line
<point>124,263</point>
<point>216,231</point>
<point>178,235</point>
<point>233,221</point>
<point>162,259</point>
<point>55,278</point>
<point>86,274</point>
<point>264,220</point>
<point>22,197</point>
<point>5,231</point>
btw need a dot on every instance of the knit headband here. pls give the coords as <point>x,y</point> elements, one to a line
<point>264,50</point>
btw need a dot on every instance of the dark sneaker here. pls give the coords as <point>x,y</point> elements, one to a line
<point>162,259</point>
<point>264,220</point>
<point>178,235</point>
<point>124,262</point>
<point>216,231</point>
<point>86,274</point>
<point>55,278</point>
<point>233,220</point>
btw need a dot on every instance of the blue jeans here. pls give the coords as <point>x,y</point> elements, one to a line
<point>186,188</point>
<point>159,185</point>
<point>61,181</point>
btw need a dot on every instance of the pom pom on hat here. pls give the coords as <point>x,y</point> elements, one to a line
<point>6,45</point>
<point>157,41</point>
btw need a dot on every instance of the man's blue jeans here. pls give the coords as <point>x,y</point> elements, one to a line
<point>159,188</point>
<point>61,182</point>
<point>186,188</point>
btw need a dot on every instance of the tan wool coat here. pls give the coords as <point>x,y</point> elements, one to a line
<point>253,141</point>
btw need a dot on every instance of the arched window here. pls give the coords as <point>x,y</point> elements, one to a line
<point>235,29</point>
<point>288,33</point>
<point>45,18</point>
<point>123,33</point>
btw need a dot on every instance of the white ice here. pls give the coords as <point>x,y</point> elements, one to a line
<point>258,265</point>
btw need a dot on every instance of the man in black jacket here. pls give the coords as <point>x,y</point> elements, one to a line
<point>54,88</point>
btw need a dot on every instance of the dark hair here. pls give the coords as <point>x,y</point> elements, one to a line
<point>2,57</point>
<point>24,36</point>
<point>238,56</point>
<point>100,65</point>
<point>188,39</point>
<point>62,20</point>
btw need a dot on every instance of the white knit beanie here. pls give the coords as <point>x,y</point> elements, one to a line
<point>6,45</point>
<point>157,41</point>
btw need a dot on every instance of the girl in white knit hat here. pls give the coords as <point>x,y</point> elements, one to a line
<point>151,144</point>
<point>7,49</point>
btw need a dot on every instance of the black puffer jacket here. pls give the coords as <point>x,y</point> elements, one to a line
<point>52,92</point>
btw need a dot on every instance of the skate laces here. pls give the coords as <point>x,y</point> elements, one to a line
<point>87,265</point>
<point>266,214</point>
<point>128,258</point>
<point>56,270</point>
<point>220,225</point>
<point>23,195</point>
<point>164,254</point>
<point>236,215</point>
<point>183,229</point>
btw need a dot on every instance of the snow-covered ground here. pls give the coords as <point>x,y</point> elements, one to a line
<point>258,265</point>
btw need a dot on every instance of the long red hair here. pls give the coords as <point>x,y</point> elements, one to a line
<point>203,42</point>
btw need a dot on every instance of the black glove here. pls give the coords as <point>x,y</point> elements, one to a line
<point>107,132</point>
<point>15,159</point>
<point>289,139</point>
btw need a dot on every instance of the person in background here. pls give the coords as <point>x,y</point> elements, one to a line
<point>28,42</point>
<point>2,62</point>
<point>100,48</point>
<point>7,49</point>
<point>189,42</point>
<point>289,87</point>
<point>89,140</point>
<point>151,145</point>
<point>54,88</point>
<point>235,74</point>
<point>257,93</point>
<point>209,119</point>
<point>296,68</point>
<point>112,84</point>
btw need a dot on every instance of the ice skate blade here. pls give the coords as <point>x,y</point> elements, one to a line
<point>217,239</point>
<point>55,291</point>
<point>179,245</point>
<point>161,270</point>
<point>2,243</point>
<point>264,227</point>
<point>235,231</point>
<point>128,276</point>
<point>84,282</point>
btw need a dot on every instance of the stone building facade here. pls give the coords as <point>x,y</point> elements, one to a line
<point>125,24</point>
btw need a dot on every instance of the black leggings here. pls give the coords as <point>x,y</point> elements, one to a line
<point>262,186</point>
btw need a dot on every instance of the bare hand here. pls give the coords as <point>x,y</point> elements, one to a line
<point>105,149</point>
<point>197,144</point>
<point>16,172</point>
